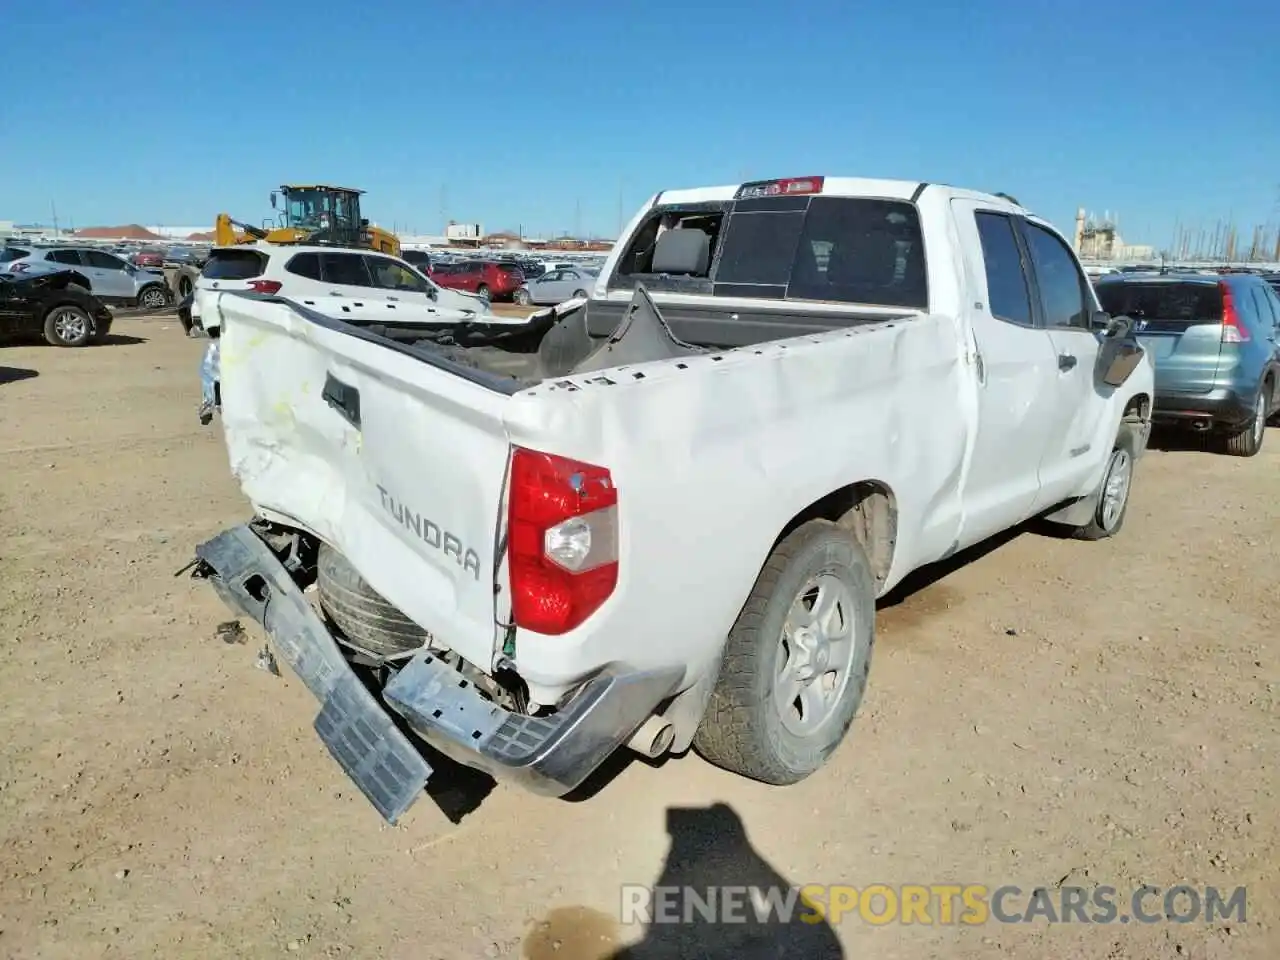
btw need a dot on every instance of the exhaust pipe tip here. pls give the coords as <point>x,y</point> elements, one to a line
<point>654,738</point>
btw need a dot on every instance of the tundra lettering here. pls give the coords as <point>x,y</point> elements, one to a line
<point>430,533</point>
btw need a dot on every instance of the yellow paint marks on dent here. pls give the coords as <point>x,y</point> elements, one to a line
<point>231,360</point>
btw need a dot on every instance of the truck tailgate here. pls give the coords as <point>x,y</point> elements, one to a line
<point>317,425</point>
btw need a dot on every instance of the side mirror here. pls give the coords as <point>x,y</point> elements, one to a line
<point>1112,328</point>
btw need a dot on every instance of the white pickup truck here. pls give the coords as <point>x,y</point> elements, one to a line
<point>661,517</point>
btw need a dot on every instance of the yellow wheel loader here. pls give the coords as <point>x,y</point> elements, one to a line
<point>312,213</point>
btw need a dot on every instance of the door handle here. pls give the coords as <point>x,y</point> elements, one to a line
<point>1066,362</point>
<point>343,398</point>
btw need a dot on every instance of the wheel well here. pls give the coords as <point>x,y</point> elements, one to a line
<point>80,279</point>
<point>1139,404</point>
<point>868,510</point>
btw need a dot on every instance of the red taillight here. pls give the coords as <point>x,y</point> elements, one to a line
<point>1233,330</point>
<point>562,536</point>
<point>265,286</point>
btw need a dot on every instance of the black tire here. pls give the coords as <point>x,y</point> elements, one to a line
<point>149,291</point>
<point>360,612</point>
<point>67,325</point>
<point>1248,441</point>
<point>743,728</point>
<point>1106,522</point>
<point>523,297</point>
<point>580,294</point>
<point>482,291</point>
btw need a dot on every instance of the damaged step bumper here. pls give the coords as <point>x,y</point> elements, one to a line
<point>548,755</point>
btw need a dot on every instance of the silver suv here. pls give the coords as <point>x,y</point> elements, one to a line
<point>110,278</point>
<point>1214,343</point>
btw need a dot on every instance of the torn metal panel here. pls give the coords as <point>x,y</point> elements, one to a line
<point>642,337</point>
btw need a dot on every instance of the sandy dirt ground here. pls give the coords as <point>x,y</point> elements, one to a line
<point>1049,712</point>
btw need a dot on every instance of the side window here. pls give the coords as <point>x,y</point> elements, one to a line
<point>1062,285</point>
<point>104,261</point>
<point>305,265</point>
<point>345,268</point>
<point>1274,299</point>
<point>390,275</point>
<point>1262,307</point>
<point>1007,292</point>
<point>64,256</point>
<point>552,276</point>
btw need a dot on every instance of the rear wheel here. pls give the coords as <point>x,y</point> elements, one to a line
<point>1248,441</point>
<point>67,326</point>
<point>482,292</point>
<point>796,661</point>
<point>580,294</point>
<point>523,298</point>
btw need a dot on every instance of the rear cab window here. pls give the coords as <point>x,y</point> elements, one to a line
<point>231,264</point>
<point>808,248</point>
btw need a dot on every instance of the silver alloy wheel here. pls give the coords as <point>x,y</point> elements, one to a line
<point>1260,417</point>
<point>523,298</point>
<point>1115,488</point>
<point>70,325</point>
<point>815,654</point>
<point>154,297</point>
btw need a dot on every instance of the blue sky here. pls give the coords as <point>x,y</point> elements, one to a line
<point>542,115</point>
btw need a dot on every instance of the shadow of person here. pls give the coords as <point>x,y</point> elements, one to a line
<point>710,852</point>
<point>14,374</point>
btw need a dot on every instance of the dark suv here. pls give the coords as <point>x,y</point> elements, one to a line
<point>1212,340</point>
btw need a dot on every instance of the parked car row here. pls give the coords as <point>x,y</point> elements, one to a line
<point>109,277</point>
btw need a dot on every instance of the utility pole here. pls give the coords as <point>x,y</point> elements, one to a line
<point>577,219</point>
<point>444,208</point>
<point>54,207</point>
<point>619,233</point>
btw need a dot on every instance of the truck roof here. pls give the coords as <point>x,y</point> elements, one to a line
<point>843,187</point>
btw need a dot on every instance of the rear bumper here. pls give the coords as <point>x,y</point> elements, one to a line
<point>548,755</point>
<point>1221,407</point>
